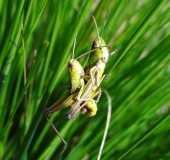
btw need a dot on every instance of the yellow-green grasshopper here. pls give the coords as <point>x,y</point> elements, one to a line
<point>93,75</point>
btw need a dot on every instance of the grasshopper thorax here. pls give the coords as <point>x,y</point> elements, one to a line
<point>76,74</point>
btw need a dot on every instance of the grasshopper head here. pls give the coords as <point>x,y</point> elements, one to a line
<point>101,51</point>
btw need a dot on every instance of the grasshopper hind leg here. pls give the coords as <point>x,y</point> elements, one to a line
<point>65,143</point>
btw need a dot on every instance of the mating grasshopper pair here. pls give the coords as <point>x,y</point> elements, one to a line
<point>83,83</point>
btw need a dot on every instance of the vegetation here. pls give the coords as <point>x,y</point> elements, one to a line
<point>36,40</point>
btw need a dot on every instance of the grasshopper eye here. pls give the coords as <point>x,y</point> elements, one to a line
<point>95,44</point>
<point>71,65</point>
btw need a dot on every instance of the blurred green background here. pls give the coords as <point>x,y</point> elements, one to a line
<point>34,75</point>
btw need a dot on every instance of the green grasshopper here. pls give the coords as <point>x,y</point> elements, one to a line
<point>93,75</point>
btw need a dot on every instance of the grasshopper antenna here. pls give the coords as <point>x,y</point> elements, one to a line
<point>96,26</point>
<point>90,52</point>
<point>104,22</point>
<point>65,143</point>
<point>74,45</point>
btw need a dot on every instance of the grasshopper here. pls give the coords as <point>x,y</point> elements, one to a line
<point>93,74</point>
